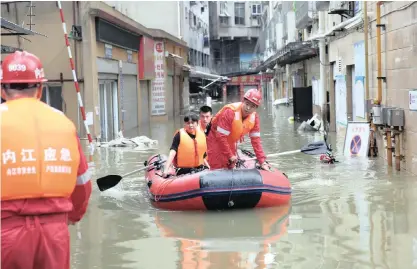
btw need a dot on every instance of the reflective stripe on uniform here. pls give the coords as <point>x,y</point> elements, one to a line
<point>255,134</point>
<point>223,131</point>
<point>84,178</point>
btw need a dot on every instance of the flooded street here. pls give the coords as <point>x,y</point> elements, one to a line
<point>354,214</point>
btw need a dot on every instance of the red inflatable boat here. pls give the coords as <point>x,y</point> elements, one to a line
<point>245,187</point>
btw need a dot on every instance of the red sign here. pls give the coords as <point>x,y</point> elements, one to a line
<point>146,58</point>
<point>250,80</point>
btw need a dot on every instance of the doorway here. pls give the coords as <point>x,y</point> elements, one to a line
<point>144,121</point>
<point>109,110</point>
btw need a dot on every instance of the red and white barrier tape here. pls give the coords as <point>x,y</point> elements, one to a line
<point>77,87</point>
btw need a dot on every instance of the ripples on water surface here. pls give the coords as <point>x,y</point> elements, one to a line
<point>354,214</point>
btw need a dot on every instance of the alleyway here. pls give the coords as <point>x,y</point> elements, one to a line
<point>355,214</point>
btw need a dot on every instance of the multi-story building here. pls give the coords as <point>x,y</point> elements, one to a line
<point>187,21</point>
<point>126,71</point>
<point>342,66</point>
<point>234,31</point>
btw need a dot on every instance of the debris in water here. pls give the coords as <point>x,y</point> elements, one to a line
<point>136,142</point>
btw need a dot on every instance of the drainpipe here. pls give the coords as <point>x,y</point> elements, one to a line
<point>367,115</point>
<point>397,151</point>
<point>379,48</point>
<point>379,76</point>
<point>366,35</point>
<point>179,18</point>
<point>322,55</point>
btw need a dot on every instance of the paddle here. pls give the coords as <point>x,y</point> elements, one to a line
<point>109,181</point>
<point>315,148</point>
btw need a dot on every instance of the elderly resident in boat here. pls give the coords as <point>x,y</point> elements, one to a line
<point>189,149</point>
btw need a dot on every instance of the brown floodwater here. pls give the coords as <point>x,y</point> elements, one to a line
<point>357,213</point>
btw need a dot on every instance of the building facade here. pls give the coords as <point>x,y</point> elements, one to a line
<point>189,22</point>
<point>234,31</point>
<point>325,54</point>
<point>127,72</point>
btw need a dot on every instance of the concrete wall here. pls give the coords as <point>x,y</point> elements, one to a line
<point>194,35</point>
<point>399,57</point>
<point>162,15</point>
<point>54,59</point>
<point>312,68</point>
<point>343,48</point>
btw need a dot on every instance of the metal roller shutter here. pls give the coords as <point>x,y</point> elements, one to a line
<point>130,106</point>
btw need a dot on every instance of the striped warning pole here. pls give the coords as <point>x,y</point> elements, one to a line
<point>77,87</point>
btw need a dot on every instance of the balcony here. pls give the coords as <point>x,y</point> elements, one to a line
<point>236,31</point>
<point>304,13</point>
<point>235,67</point>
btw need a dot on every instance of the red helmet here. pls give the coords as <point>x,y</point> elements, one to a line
<point>254,96</point>
<point>22,67</point>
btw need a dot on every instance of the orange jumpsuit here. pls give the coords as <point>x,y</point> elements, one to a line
<point>45,183</point>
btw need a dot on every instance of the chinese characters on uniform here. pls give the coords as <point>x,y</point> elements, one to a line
<point>27,163</point>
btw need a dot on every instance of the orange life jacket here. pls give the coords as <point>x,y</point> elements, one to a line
<point>40,156</point>
<point>239,127</point>
<point>191,151</point>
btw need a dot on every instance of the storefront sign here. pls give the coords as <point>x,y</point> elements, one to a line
<point>250,79</point>
<point>158,87</point>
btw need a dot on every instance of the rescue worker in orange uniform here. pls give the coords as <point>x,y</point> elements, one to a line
<point>189,149</point>
<point>45,183</point>
<point>205,117</point>
<point>229,126</point>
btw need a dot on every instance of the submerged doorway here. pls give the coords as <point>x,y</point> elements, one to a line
<point>109,110</point>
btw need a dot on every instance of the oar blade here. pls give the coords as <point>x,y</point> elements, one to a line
<point>108,182</point>
<point>315,148</point>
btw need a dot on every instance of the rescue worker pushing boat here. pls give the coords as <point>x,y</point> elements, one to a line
<point>45,184</point>
<point>229,126</point>
<point>189,149</point>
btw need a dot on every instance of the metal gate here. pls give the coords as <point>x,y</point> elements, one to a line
<point>109,112</point>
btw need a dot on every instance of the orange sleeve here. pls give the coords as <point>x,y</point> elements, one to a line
<point>82,192</point>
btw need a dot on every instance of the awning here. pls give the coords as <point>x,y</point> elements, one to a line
<point>352,22</point>
<point>15,29</point>
<point>293,52</point>
<point>208,76</point>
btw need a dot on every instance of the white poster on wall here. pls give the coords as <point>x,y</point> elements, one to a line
<point>340,98</point>
<point>158,86</point>
<point>358,93</point>
<point>315,87</point>
<point>412,100</point>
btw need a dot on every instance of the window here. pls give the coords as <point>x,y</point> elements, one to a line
<point>190,18</point>
<point>224,21</point>
<point>256,9</point>
<point>52,95</point>
<point>240,13</point>
<point>223,8</point>
<point>129,56</point>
